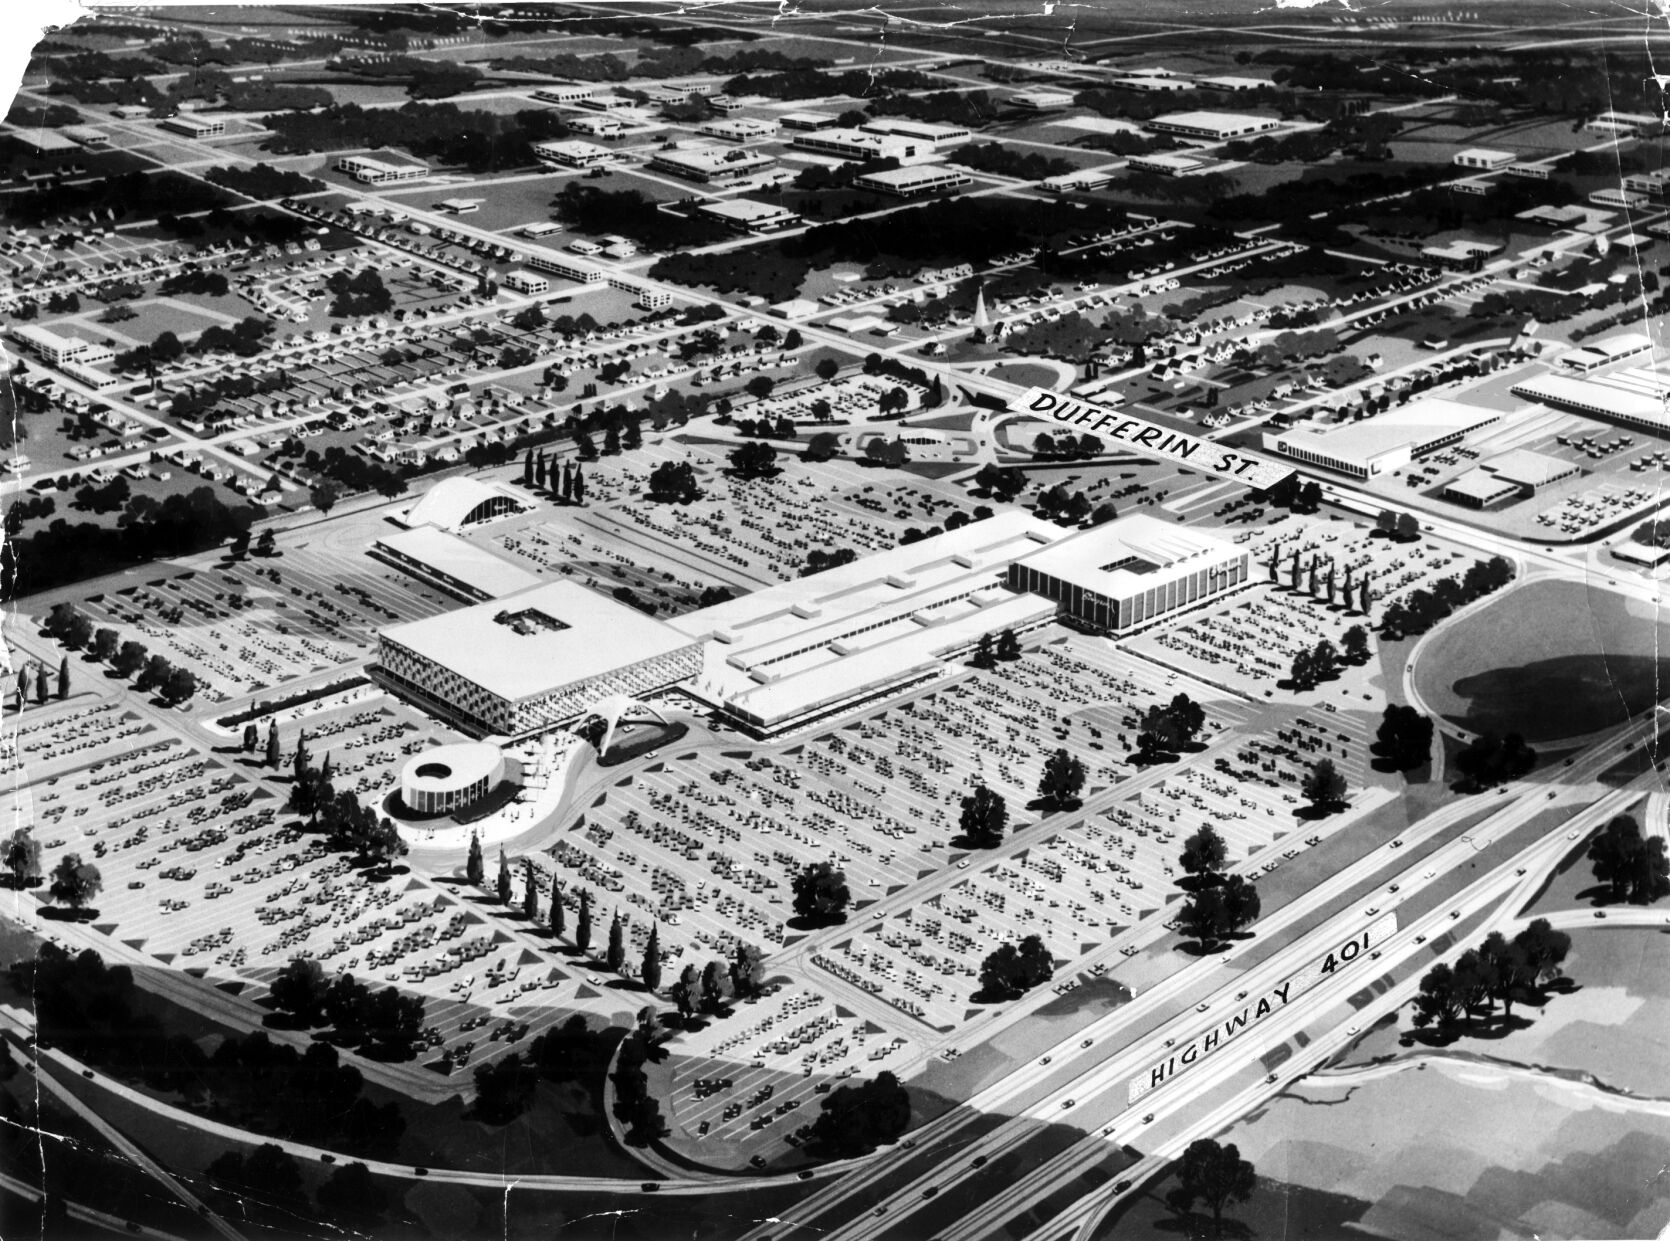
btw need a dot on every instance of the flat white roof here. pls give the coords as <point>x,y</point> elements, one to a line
<point>552,635</point>
<point>1590,396</point>
<point>1480,485</point>
<point>744,210</point>
<point>1486,155</point>
<point>1413,424</point>
<point>1130,555</point>
<point>460,560</point>
<point>1216,121</point>
<point>915,174</point>
<point>1534,469</point>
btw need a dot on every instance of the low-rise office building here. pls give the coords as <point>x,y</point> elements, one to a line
<point>922,131</point>
<point>915,181</point>
<point>373,171</point>
<point>1213,126</point>
<point>855,144</point>
<point>1041,100</point>
<point>710,163</point>
<point>573,153</point>
<point>747,216</point>
<point>195,126</point>
<point>739,129</point>
<point>1483,158</point>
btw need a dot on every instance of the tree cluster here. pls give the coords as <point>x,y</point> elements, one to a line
<point>820,893</point>
<point>1423,609</point>
<point>1167,728</point>
<point>349,825</point>
<point>855,1120</point>
<point>1217,905</point>
<point>1490,759</point>
<point>1404,739</point>
<point>1313,666</point>
<point>1496,970</point>
<point>385,1024</point>
<point>1010,970</point>
<point>1633,867</point>
<point>1062,780</point>
<point>984,817</point>
<point>711,988</point>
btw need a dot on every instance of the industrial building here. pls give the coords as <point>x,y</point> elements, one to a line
<point>1513,475</point>
<point>739,129</point>
<point>1131,571</point>
<point>1212,126</point>
<point>532,661</point>
<point>195,126</point>
<point>709,163</point>
<point>370,171</point>
<point>1041,100</point>
<point>793,653</point>
<point>922,131</point>
<point>747,216</point>
<point>1481,158</point>
<point>1601,353</point>
<point>914,182</point>
<point>855,144</point>
<point>1635,396</point>
<point>1386,442</point>
<point>573,153</point>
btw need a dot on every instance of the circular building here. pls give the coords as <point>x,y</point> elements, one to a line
<point>450,777</point>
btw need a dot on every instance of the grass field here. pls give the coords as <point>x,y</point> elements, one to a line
<point>1575,659</point>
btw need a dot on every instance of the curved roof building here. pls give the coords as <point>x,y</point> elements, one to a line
<point>455,503</point>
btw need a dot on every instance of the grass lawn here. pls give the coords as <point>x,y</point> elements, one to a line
<point>1548,660</point>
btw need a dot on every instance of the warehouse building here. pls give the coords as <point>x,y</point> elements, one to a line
<point>370,171</point>
<point>1635,396</point>
<point>573,153</point>
<point>855,144</point>
<point>747,216</point>
<point>1213,126</point>
<point>1386,442</point>
<point>533,660</point>
<point>709,163</point>
<point>914,182</point>
<point>1132,571</point>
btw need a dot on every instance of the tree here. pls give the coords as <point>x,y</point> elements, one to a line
<point>503,1090</point>
<point>1475,981</point>
<point>760,386</point>
<point>1167,728</point>
<point>1324,786</point>
<point>687,992</point>
<point>268,1176</point>
<point>1204,854</point>
<point>1489,760</point>
<point>1545,950</point>
<point>351,1195</point>
<point>105,642</point>
<point>324,495</point>
<point>63,678</point>
<point>503,885</point>
<point>266,544</point>
<point>1062,779</point>
<point>1356,648</point>
<point>179,686</point>
<point>40,683</point>
<point>530,897</point>
<point>820,893</point>
<point>300,989</point>
<point>754,460</point>
<point>1634,867</point>
<point>1438,1002</point>
<point>1008,645</point>
<point>130,659</point>
<point>582,924</point>
<point>615,955</point>
<point>1509,966</point>
<point>74,882</point>
<point>273,753</point>
<point>299,768</point>
<point>474,868</point>
<point>650,971</point>
<point>983,654</point>
<point>827,369</point>
<point>1215,1175</point>
<point>1404,739</point>
<point>717,989</point>
<point>252,738</point>
<point>984,817</point>
<point>748,970</point>
<point>556,907</point>
<point>856,1119</point>
<point>21,855</point>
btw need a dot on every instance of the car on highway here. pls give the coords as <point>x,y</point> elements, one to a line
<point>1271,1078</point>
<point>1044,1059</point>
<point>1391,887</point>
<point>930,1191</point>
<point>1571,835</point>
<point>979,1161</point>
<point>1600,913</point>
<point>1240,995</point>
<point>1454,914</point>
<point>1351,1029</point>
<point>758,1161</point>
<point>1087,1042</point>
<point>1065,1104</point>
<point>1397,844</point>
<point>1520,871</point>
<point>963,865</point>
<point>806,1174</point>
<point>1433,873</point>
<point>1420,939</point>
<point>1148,1119</point>
<point>1371,911</point>
<point>1201,1008</point>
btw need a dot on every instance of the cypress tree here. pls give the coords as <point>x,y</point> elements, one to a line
<point>651,971</point>
<point>527,469</point>
<point>579,485</point>
<point>64,677</point>
<point>582,925</point>
<point>616,958</point>
<point>474,869</point>
<point>556,907</point>
<point>273,755</point>
<point>301,754</point>
<point>530,899</point>
<point>504,879</point>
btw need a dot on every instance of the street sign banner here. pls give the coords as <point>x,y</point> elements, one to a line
<point>1150,439</point>
<point>1255,1010</point>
